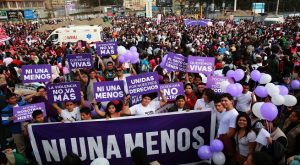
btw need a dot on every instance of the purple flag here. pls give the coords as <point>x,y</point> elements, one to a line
<point>213,82</point>
<point>172,138</point>
<point>109,91</point>
<point>175,62</point>
<point>172,90</point>
<point>23,113</point>
<point>198,64</point>
<point>36,73</point>
<point>143,83</point>
<point>62,92</point>
<point>106,48</point>
<point>80,61</point>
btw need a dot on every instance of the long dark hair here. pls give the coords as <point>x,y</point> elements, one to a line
<point>107,114</point>
<point>248,127</point>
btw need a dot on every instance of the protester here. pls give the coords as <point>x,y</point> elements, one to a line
<point>147,107</point>
<point>244,138</point>
<point>179,104</point>
<point>190,97</point>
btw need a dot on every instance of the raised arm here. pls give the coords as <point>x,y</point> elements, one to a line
<point>81,77</point>
<point>96,107</point>
<point>163,101</point>
<point>126,110</point>
<point>58,109</point>
<point>81,100</point>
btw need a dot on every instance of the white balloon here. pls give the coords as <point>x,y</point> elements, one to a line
<point>277,99</point>
<point>265,78</point>
<point>272,89</point>
<point>290,100</point>
<point>219,158</point>
<point>121,50</point>
<point>224,85</point>
<point>256,109</point>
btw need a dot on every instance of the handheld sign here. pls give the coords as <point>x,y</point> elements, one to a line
<point>109,91</point>
<point>198,64</point>
<point>175,62</point>
<point>24,113</point>
<point>213,82</point>
<point>143,83</point>
<point>62,92</point>
<point>36,73</point>
<point>106,48</point>
<point>80,61</point>
<point>172,90</point>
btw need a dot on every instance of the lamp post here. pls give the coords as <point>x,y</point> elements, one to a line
<point>277,7</point>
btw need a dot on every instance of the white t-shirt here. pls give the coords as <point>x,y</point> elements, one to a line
<point>139,109</point>
<point>243,143</point>
<point>200,105</point>
<point>244,102</point>
<point>125,82</point>
<point>227,121</point>
<point>71,116</point>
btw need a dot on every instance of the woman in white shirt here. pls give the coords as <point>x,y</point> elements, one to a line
<point>244,138</point>
<point>207,100</point>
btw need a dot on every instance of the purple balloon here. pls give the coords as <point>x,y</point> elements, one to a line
<point>255,75</point>
<point>239,87</point>
<point>239,74</point>
<point>233,90</point>
<point>230,73</point>
<point>295,84</point>
<point>121,58</point>
<point>283,90</point>
<point>216,146</point>
<point>268,111</point>
<point>261,91</point>
<point>204,152</point>
<point>133,49</point>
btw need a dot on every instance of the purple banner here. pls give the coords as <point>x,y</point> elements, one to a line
<point>213,82</point>
<point>80,61</point>
<point>190,22</point>
<point>36,73</point>
<point>170,139</point>
<point>62,92</point>
<point>109,91</point>
<point>198,64</point>
<point>106,48</point>
<point>23,113</point>
<point>172,90</point>
<point>175,62</point>
<point>143,83</point>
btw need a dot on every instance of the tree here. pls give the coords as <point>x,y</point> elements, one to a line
<point>94,3</point>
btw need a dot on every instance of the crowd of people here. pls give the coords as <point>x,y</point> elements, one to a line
<point>246,45</point>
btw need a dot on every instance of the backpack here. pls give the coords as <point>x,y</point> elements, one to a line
<point>144,67</point>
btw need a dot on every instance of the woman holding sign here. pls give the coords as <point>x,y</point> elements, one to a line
<point>146,107</point>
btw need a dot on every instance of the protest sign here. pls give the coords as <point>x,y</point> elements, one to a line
<point>213,82</point>
<point>24,113</point>
<point>198,64</point>
<point>171,138</point>
<point>135,100</point>
<point>62,92</point>
<point>172,90</point>
<point>143,83</point>
<point>36,73</point>
<point>80,61</point>
<point>175,62</point>
<point>109,91</point>
<point>106,48</point>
